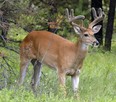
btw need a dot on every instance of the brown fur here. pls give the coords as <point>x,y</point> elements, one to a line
<point>58,53</point>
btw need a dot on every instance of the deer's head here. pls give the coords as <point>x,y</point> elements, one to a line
<point>86,34</point>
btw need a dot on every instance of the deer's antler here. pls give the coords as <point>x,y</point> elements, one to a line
<point>96,18</point>
<point>71,17</point>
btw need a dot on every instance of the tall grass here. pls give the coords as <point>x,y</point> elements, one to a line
<point>97,83</point>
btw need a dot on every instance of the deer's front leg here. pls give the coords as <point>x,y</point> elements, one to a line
<point>75,81</point>
<point>62,79</point>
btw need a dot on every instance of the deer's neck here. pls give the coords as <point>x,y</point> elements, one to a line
<point>81,52</point>
<point>81,46</point>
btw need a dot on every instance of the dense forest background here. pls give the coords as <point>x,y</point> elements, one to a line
<point>29,15</point>
<point>19,17</point>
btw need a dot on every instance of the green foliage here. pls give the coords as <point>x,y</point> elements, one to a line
<point>27,96</point>
<point>8,67</point>
<point>97,83</point>
<point>16,33</point>
<point>98,76</point>
<point>99,72</point>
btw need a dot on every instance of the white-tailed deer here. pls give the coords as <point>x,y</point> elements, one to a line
<point>61,54</point>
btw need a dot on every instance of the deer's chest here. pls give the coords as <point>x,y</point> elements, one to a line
<point>75,66</point>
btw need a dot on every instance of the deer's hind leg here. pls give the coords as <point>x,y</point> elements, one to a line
<point>37,66</point>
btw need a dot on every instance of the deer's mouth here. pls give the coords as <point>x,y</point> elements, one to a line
<point>95,44</point>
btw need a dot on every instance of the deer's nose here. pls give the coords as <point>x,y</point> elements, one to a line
<point>95,43</point>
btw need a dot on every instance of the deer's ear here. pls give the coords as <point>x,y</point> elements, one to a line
<point>96,28</point>
<point>77,30</point>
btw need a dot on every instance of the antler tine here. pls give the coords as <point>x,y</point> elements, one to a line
<point>81,17</point>
<point>97,18</point>
<point>72,12</point>
<point>100,12</point>
<point>76,17</point>
<point>94,13</point>
<point>67,14</point>
<point>71,17</point>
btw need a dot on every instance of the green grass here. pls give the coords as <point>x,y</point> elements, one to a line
<point>97,79</point>
<point>97,83</point>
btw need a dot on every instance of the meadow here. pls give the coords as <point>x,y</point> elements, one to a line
<point>97,80</point>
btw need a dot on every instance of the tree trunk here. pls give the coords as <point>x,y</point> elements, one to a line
<point>98,4</point>
<point>109,29</point>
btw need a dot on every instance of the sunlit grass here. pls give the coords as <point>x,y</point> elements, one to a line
<point>97,83</point>
<point>97,80</point>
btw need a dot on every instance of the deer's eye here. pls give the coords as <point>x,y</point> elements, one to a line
<point>86,35</point>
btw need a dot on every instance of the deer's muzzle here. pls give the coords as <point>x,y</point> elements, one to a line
<point>95,43</point>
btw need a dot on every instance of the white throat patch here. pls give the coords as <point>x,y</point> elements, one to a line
<point>84,46</point>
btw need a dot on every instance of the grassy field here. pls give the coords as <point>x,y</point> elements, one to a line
<point>97,80</point>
